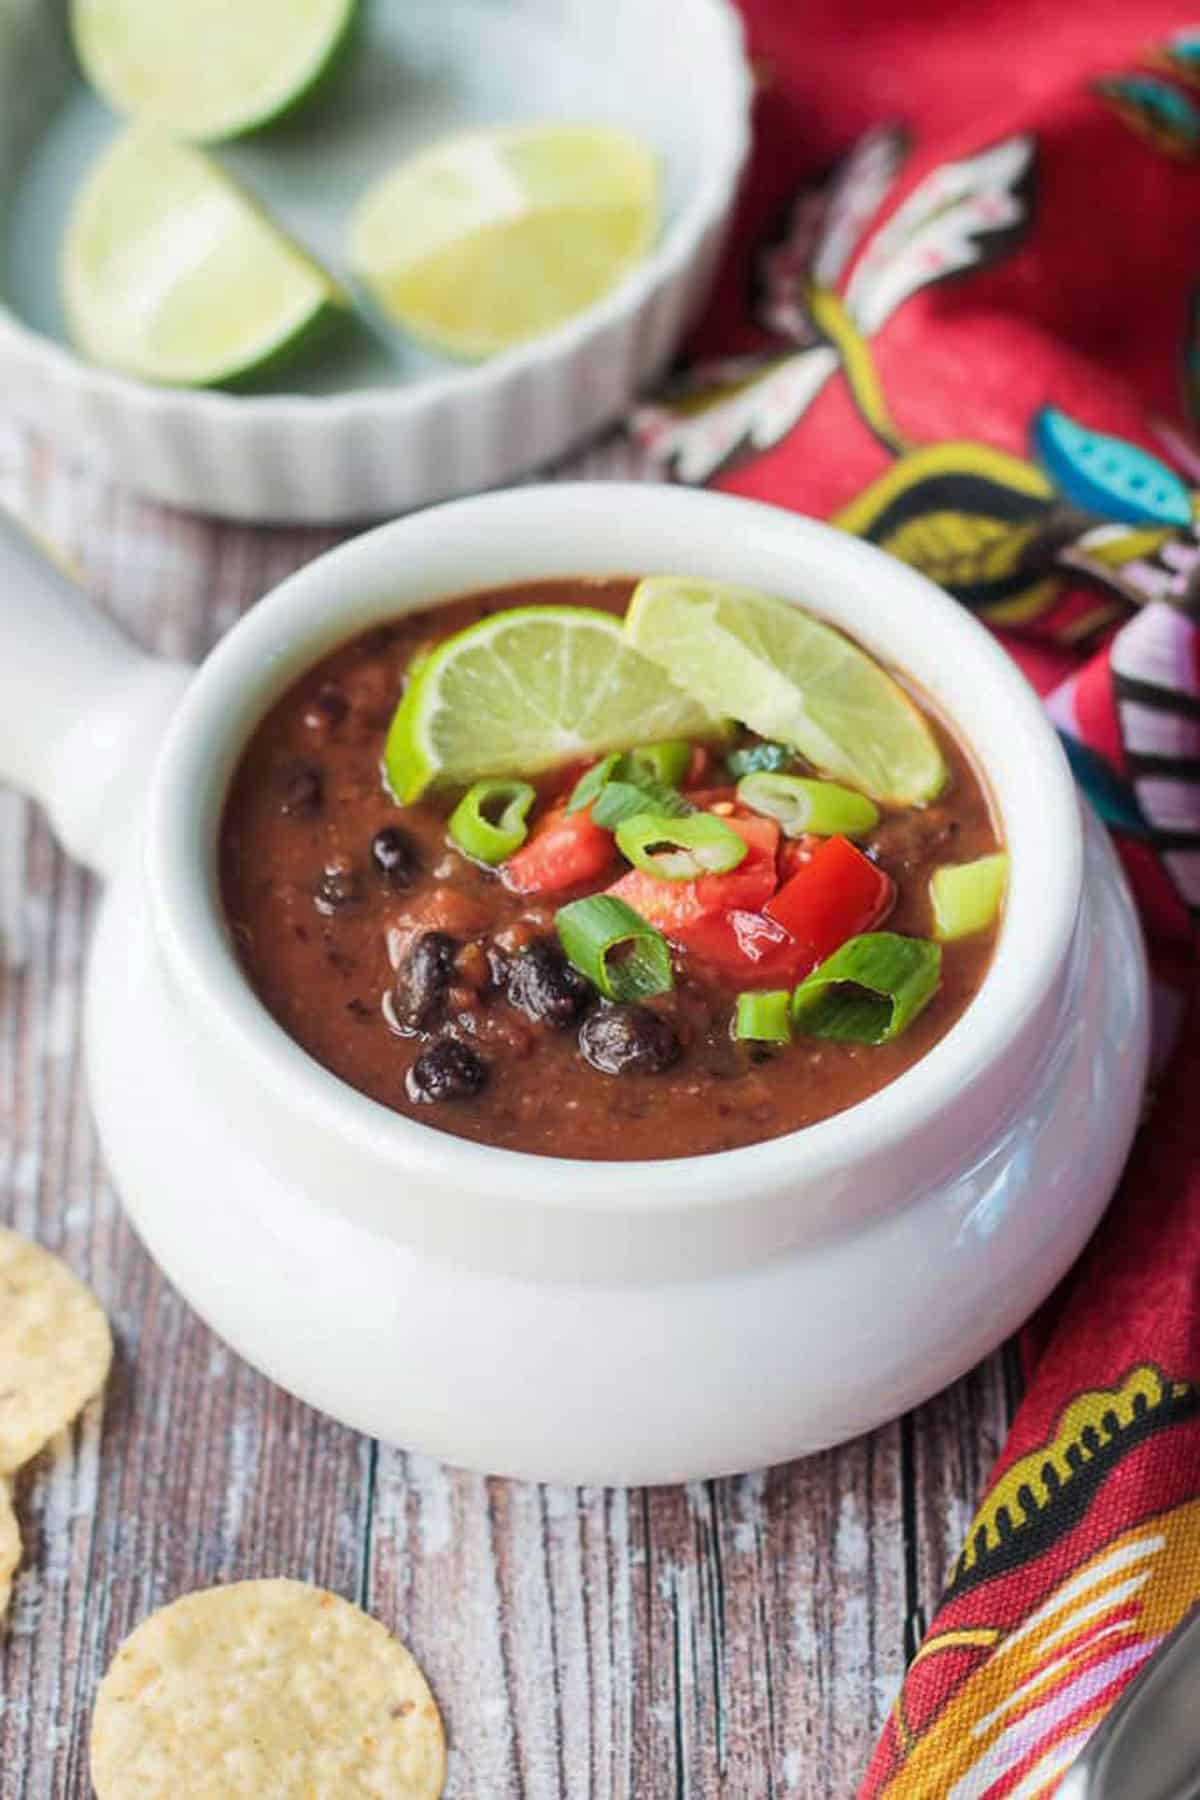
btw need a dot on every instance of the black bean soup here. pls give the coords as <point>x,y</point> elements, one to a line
<point>421,978</point>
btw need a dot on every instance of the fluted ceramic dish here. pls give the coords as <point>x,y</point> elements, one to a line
<point>382,426</point>
<point>532,1315</point>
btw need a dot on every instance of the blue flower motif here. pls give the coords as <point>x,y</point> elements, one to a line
<point>1108,476</point>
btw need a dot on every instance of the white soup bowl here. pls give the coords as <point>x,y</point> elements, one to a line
<point>542,1317</point>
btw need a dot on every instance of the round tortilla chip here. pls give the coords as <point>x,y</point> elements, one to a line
<point>10,1546</point>
<point>55,1348</point>
<point>265,1688</point>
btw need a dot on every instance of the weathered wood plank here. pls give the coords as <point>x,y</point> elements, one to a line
<point>956,1438</point>
<point>202,1471</point>
<point>736,1640</point>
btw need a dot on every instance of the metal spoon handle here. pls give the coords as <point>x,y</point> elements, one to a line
<point>1148,1748</point>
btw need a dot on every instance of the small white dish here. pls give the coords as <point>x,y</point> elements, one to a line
<point>381,426</point>
<point>533,1316</point>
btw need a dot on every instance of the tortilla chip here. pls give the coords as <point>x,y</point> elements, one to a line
<point>55,1348</point>
<point>265,1688</point>
<point>10,1546</point>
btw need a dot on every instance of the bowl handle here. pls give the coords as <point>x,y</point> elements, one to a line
<point>81,708</point>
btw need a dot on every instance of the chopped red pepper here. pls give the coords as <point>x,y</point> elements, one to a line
<point>718,918</point>
<point>676,906</point>
<point>836,895</point>
<point>749,946</point>
<point>796,854</point>
<point>565,850</point>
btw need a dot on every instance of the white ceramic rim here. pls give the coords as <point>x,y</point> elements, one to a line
<point>711,202</point>
<point>294,625</point>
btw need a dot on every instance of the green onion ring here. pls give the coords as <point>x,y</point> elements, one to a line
<point>763,1017</point>
<point>870,990</point>
<point>673,849</point>
<point>489,822</point>
<point>800,806</point>
<point>617,787</point>
<point>966,896</point>
<point>617,951</point>
<point>666,762</point>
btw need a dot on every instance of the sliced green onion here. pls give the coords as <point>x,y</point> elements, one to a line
<point>617,787</point>
<point>591,781</point>
<point>758,756</point>
<point>820,807</point>
<point>764,1018</point>
<point>489,821</point>
<point>966,896</point>
<point>673,849</point>
<point>615,948</point>
<point>666,762</point>
<point>870,990</point>
<point>621,799</point>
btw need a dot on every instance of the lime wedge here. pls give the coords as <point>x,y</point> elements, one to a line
<point>487,239</point>
<point>208,69</point>
<point>171,274</point>
<point>789,677</point>
<point>526,690</point>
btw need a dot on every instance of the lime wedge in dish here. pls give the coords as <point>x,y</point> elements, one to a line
<point>490,238</point>
<point>527,690</point>
<point>208,69</point>
<point>789,678</point>
<point>172,274</point>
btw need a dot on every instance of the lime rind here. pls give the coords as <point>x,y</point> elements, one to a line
<point>530,689</point>
<point>172,274</point>
<point>792,678</point>
<point>210,72</point>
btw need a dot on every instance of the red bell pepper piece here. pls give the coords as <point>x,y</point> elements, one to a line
<point>676,906</point>
<point>748,946</point>
<point>718,918</point>
<point>836,895</point>
<point>565,851</point>
<point>796,854</point>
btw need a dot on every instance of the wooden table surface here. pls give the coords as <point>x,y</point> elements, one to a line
<point>735,1639</point>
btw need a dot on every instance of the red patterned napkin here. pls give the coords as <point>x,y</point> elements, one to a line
<point>962,318</point>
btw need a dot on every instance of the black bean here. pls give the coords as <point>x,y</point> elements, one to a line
<point>331,703</point>
<point>303,791</point>
<point>396,856</point>
<point>340,886</point>
<point>542,984</point>
<point>447,1070</point>
<point>629,1040</point>
<point>423,979</point>
<point>325,713</point>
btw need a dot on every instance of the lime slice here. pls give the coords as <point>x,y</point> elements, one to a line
<point>789,677</point>
<point>208,69</point>
<point>171,274</point>
<point>485,240</point>
<point>526,690</point>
